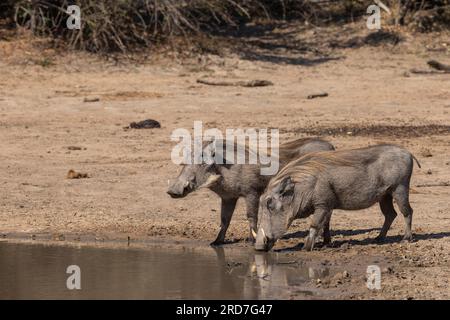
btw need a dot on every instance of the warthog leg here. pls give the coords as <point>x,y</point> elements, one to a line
<point>387,208</point>
<point>319,218</point>
<point>326,232</point>
<point>226,212</point>
<point>401,196</point>
<point>252,203</point>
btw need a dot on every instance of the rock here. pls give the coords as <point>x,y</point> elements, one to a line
<point>94,99</point>
<point>75,148</point>
<point>72,174</point>
<point>145,124</point>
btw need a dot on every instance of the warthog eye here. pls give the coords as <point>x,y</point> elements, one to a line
<point>270,204</point>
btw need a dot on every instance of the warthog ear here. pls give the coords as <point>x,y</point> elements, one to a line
<point>212,180</point>
<point>209,153</point>
<point>286,186</point>
<point>215,153</point>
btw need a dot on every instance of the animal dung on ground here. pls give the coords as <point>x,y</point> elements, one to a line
<point>145,124</point>
<point>318,95</point>
<point>241,83</point>
<point>72,174</point>
<point>75,148</point>
<point>439,66</point>
<point>93,99</point>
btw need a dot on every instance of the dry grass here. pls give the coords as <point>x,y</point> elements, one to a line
<point>121,25</point>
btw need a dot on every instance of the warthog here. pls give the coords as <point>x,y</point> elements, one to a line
<point>350,180</point>
<point>232,181</point>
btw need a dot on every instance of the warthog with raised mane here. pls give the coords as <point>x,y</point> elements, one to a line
<point>350,180</point>
<point>232,181</point>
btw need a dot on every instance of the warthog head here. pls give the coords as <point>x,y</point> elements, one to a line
<point>276,213</point>
<point>191,178</point>
<point>195,176</point>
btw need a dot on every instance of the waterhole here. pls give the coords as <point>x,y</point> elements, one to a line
<point>39,271</point>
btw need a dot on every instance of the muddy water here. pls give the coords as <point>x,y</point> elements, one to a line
<point>37,271</point>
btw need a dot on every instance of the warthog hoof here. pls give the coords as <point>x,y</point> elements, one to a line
<point>309,244</point>
<point>217,243</point>
<point>408,238</point>
<point>378,240</point>
<point>326,242</point>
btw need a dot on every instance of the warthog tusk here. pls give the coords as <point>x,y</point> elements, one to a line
<point>264,235</point>
<point>210,181</point>
<point>254,233</point>
<point>383,6</point>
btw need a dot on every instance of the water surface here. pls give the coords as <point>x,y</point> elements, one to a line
<point>38,271</point>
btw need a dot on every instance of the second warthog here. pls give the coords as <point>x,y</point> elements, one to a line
<point>350,180</point>
<point>233,181</point>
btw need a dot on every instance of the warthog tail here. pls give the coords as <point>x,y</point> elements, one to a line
<point>417,161</point>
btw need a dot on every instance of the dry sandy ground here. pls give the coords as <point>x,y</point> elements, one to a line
<point>43,113</point>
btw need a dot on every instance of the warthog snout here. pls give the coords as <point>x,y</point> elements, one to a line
<point>263,243</point>
<point>178,189</point>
